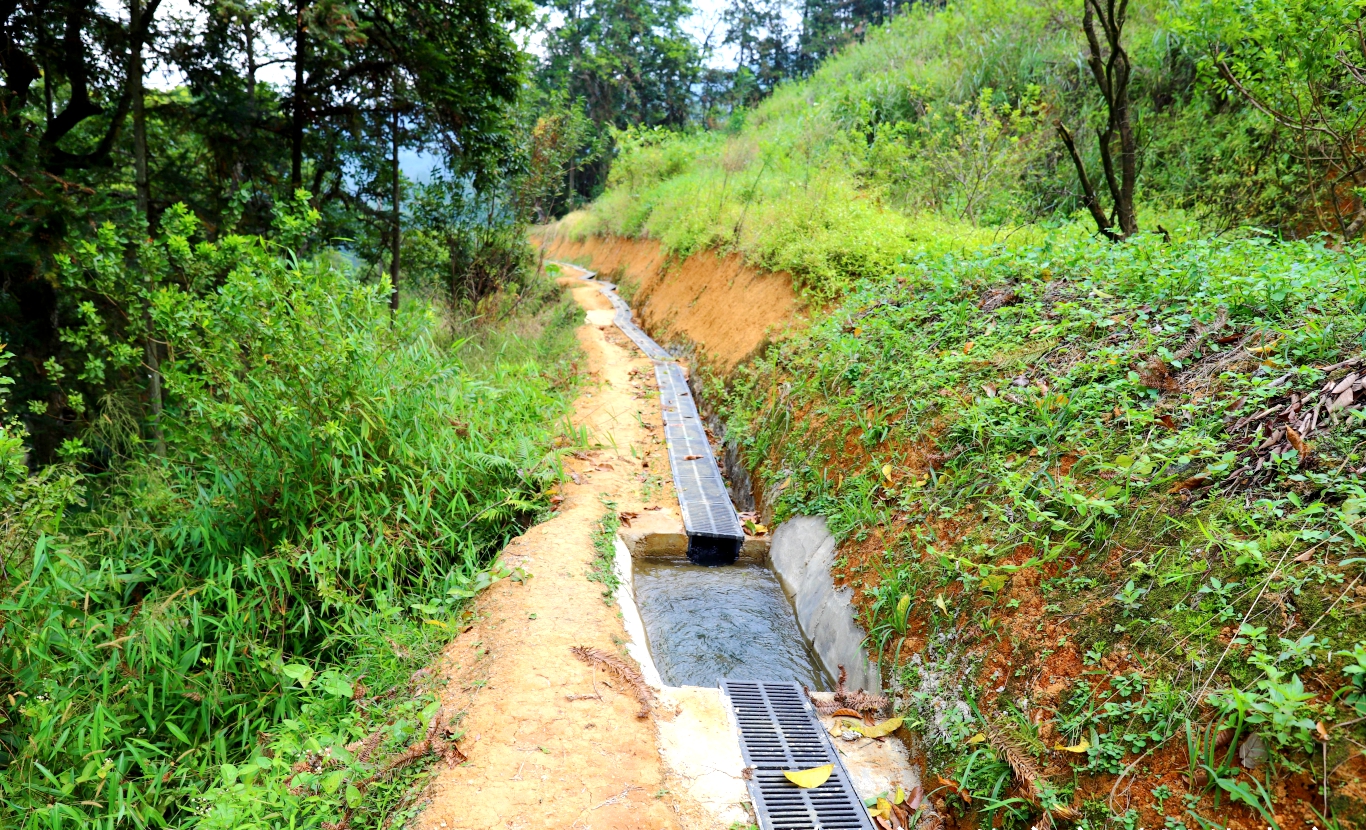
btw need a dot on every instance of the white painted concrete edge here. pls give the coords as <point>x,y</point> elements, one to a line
<point>698,742</point>
<point>801,554</point>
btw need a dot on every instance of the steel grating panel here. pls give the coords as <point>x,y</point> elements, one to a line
<point>702,493</point>
<point>714,530</point>
<point>779,731</point>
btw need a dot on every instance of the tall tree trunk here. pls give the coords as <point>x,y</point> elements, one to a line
<point>296,133</point>
<point>397,230</point>
<point>249,38</point>
<point>144,201</point>
<point>1111,70</point>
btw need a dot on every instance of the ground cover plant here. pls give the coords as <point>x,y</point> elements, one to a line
<point>227,634</point>
<point>1116,489</point>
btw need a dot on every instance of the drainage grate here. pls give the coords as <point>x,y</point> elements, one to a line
<point>779,731</point>
<point>714,530</point>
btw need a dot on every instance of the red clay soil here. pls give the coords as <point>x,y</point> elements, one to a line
<point>728,310</point>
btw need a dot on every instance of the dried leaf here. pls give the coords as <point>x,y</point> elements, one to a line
<point>967,347</point>
<point>1342,385</point>
<point>956,789</point>
<point>1195,482</point>
<point>1253,752</point>
<point>621,669</point>
<point>1078,747</point>
<point>1168,422</point>
<point>848,713</point>
<point>989,390</point>
<point>1296,441</point>
<point>809,778</point>
<point>1321,730</point>
<point>691,457</point>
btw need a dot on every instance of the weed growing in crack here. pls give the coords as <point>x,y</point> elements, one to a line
<point>603,568</point>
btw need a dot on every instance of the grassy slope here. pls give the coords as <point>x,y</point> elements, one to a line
<point>1049,470</point>
<point>199,640</point>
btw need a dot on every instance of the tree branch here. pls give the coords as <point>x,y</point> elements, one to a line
<point>1088,190</point>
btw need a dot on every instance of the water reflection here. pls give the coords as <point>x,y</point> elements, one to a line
<point>708,623</point>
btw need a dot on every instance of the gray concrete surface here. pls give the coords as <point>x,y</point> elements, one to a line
<point>802,553</point>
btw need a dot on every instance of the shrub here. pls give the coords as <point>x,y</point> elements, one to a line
<point>334,481</point>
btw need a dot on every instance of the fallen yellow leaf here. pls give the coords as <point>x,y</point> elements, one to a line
<point>887,471</point>
<point>880,730</point>
<point>977,739</point>
<point>882,810</point>
<point>899,797</point>
<point>1267,349</point>
<point>939,600</point>
<point>842,726</point>
<point>809,778</point>
<point>1078,747</point>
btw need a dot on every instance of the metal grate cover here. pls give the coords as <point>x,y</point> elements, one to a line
<point>714,530</point>
<point>779,731</point>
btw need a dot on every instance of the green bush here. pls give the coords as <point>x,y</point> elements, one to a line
<point>334,481</point>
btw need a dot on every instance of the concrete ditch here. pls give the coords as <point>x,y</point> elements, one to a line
<point>698,740</point>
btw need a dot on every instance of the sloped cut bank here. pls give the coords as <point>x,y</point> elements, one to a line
<point>724,308</point>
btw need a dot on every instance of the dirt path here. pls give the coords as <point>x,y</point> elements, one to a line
<point>536,758</point>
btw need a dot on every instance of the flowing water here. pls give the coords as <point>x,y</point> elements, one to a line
<point>704,624</point>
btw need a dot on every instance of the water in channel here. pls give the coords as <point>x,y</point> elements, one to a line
<point>704,624</point>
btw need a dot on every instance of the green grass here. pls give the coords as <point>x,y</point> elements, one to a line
<point>603,568</point>
<point>179,633</point>
<point>1017,466</point>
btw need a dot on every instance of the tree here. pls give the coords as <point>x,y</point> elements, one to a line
<point>764,51</point>
<point>85,143</point>
<point>629,61</point>
<point>827,25</point>
<point>1302,65</point>
<point>1110,69</point>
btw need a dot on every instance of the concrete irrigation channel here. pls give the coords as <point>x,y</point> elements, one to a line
<point>734,627</point>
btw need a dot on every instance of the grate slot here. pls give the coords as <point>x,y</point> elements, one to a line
<point>779,731</point>
<point>714,530</point>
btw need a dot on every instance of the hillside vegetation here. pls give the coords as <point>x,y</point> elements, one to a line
<point>1101,501</point>
<point>195,635</point>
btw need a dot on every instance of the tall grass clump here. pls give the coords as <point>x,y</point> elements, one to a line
<point>179,631</point>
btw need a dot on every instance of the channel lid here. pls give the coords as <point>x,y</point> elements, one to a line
<point>779,731</point>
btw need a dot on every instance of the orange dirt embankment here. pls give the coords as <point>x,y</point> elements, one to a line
<point>725,308</point>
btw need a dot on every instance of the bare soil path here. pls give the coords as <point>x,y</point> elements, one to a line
<point>536,758</point>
